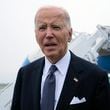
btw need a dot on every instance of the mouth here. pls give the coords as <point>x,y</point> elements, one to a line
<point>50,45</point>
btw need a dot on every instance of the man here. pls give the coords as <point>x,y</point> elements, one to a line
<point>78,84</point>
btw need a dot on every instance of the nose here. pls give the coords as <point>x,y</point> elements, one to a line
<point>49,32</point>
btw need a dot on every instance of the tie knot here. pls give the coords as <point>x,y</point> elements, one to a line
<point>52,69</point>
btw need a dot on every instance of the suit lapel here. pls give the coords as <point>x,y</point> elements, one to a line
<point>71,84</point>
<point>37,75</point>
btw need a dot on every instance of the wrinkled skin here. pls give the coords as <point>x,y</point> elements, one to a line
<point>52,33</point>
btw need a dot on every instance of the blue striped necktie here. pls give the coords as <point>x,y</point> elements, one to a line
<point>48,94</point>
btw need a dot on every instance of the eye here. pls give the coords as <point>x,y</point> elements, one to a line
<point>42,28</point>
<point>55,27</point>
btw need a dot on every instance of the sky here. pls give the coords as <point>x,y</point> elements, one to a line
<point>17,38</point>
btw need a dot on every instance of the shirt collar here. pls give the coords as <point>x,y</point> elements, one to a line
<point>62,64</point>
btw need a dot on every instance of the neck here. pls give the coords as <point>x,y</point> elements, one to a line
<point>55,59</point>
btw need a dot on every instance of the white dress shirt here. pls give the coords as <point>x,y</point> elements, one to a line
<point>60,74</point>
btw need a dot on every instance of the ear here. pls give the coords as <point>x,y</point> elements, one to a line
<point>70,35</point>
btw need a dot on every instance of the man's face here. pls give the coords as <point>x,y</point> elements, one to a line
<point>52,34</point>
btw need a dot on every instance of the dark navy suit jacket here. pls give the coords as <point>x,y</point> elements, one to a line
<point>91,84</point>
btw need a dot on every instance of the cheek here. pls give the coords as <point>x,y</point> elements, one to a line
<point>64,40</point>
<point>63,44</point>
<point>39,38</point>
<point>39,41</point>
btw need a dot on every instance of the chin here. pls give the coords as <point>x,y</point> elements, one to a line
<point>51,54</point>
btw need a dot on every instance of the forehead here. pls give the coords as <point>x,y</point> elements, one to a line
<point>50,14</point>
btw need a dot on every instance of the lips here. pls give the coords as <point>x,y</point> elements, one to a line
<point>50,44</point>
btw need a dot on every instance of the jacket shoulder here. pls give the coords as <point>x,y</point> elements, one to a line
<point>34,64</point>
<point>86,65</point>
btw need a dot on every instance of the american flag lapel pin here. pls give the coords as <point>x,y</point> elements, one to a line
<point>75,79</point>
